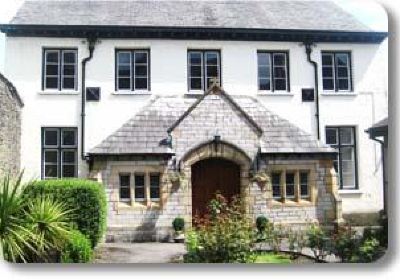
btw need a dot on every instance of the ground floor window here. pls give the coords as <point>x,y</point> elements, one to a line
<point>343,139</point>
<point>59,152</point>
<point>142,187</point>
<point>291,185</point>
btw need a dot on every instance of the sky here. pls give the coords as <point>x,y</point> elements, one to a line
<point>367,11</point>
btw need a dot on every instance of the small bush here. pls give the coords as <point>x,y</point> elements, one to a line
<point>369,250</point>
<point>88,198</point>
<point>225,235</point>
<point>78,249</point>
<point>261,223</point>
<point>318,241</point>
<point>178,224</point>
<point>345,243</point>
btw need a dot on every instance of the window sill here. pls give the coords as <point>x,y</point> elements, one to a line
<point>127,206</point>
<point>274,93</point>
<point>339,93</point>
<point>292,203</point>
<point>130,92</point>
<point>58,92</point>
<point>350,192</point>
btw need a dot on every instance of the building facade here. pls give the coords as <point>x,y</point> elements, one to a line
<point>167,106</point>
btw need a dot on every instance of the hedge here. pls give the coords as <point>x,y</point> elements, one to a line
<point>78,249</point>
<point>86,198</point>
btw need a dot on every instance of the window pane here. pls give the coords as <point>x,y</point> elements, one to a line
<point>124,57</point>
<point>155,186</point>
<point>124,83</point>
<point>341,59</point>
<point>331,136</point>
<point>140,83</point>
<point>52,56</point>
<point>141,70</point>
<point>51,83</point>
<point>68,137</point>
<point>342,72</point>
<point>279,72</point>
<point>265,84</point>
<point>264,59</point>
<point>124,70</point>
<point>212,71</point>
<point>343,84</point>
<point>51,70</point>
<point>290,185</point>
<point>68,157</point>
<point>264,72</point>
<point>155,180</point>
<point>51,156</point>
<point>141,57</point>
<point>195,57</point>
<point>346,135</point>
<point>327,59</point>
<point>124,180</point>
<point>280,84</point>
<point>50,171</point>
<point>68,83</point>
<point>195,71</point>
<point>139,180</point>
<point>69,57</point>
<point>51,137</point>
<point>328,84</point>
<point>276,188</point>
<point>124,193</point>
<point>139,194</point>
<point>69,70</point>
<point>195,83</point>
<point>279,59</point>
<point>211,58</point>
<point>327,72</point>
<point>347,153</point>
<point>68,171</point>
<point>304,184</point>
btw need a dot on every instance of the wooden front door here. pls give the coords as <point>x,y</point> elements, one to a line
<point>210,176</point>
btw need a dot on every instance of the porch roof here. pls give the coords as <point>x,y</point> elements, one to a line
<point>146,133</point>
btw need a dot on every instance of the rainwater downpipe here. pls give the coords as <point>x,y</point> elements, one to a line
<point>91,44</point>
<point>315,65</point>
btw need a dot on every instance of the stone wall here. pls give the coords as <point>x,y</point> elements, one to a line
<point>10,130</point>
<point>132,221</point>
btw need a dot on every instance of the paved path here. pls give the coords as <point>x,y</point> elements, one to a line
<point>138,252</point>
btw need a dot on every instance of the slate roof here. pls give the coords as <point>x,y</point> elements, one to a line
<point>287,15</point>
<point>144,132</point>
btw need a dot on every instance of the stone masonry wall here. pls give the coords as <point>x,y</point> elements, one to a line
<point>10,132</point>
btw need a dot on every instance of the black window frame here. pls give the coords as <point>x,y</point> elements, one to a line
<point>203,68</point>
<point>155,199</point>
<point>272,68</point>
<point>60,148</point>
<point>335,71</point>
<point>339,146</point>
<point>128,199</point>
<point>60,52</point>
<point>135,186</point>
<point>132,52</point>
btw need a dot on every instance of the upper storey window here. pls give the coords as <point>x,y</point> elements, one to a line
<point>60,69</point>
<point>132,70</point>
<point>273,71</point>
<point>336,71</point>
<point>203,66</point>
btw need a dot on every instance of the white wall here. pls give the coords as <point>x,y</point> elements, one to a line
<point>367,105</point>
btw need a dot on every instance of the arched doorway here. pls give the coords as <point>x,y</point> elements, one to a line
<point>212,175</point>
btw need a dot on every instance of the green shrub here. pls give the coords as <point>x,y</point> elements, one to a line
<point>318,241</point>
<point>225,235</point>
<point>345,243</point>
<point>78,249</point>
<point>369,250</point>
<point>178,224</point>
<point>87,198</point>
<point>261,223</point>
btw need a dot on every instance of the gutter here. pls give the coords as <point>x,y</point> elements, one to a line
<point>315,65</point>
<point>91,44</point>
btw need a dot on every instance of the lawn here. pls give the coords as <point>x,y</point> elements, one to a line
<point>273,258</point>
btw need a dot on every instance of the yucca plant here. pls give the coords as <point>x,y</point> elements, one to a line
<point>29,230</point>
<point>15,236</point>
<point>49,222</point>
